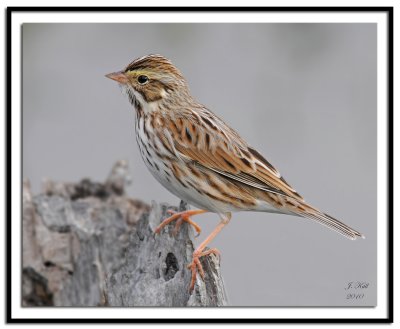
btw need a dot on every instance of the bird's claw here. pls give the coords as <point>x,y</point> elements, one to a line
<point>180,217</point>
<point>195,266</point>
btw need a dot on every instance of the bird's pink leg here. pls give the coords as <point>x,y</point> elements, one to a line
<point>180,217</point>
<point>195,266</point>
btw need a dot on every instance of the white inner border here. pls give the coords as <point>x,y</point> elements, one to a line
<point>380,311</point>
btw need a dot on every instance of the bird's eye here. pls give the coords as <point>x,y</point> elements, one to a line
<point>142,79</point>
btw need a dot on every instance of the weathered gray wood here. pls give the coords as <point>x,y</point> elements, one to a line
<point>88,244</point>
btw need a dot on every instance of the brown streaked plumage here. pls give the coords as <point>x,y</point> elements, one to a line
<point>199,158</point>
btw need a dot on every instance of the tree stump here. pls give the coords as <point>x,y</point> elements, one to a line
<point>88,244</point>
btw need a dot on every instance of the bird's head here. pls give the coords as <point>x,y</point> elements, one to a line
<point>149,79</point>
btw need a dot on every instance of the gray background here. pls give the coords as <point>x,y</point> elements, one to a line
<point>303,94</point>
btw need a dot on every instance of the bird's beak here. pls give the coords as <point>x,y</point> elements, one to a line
<point>118,76</point>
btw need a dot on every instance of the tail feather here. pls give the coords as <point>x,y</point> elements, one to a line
<point>331,223</point>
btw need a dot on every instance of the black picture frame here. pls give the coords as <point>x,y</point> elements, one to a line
<point>9,59</point>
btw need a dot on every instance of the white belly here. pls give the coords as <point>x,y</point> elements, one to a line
<point>186,187</point>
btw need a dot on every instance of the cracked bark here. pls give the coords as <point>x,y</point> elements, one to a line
<point>88,244</point>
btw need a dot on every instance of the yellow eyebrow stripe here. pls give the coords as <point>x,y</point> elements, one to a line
<point>139,72</point>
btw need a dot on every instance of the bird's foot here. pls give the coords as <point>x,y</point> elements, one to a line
<point>180,217</point>
<point>195,266</point>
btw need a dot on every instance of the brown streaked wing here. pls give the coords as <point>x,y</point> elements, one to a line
<point>229,155</point>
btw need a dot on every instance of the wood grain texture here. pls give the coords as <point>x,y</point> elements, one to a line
<point>88,244</point>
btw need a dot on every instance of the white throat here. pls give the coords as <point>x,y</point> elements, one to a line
<point>146,107</point>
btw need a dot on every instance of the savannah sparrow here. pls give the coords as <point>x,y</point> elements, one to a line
<point>199,158</point>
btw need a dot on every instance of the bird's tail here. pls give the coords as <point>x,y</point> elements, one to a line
<point>328,221</point>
